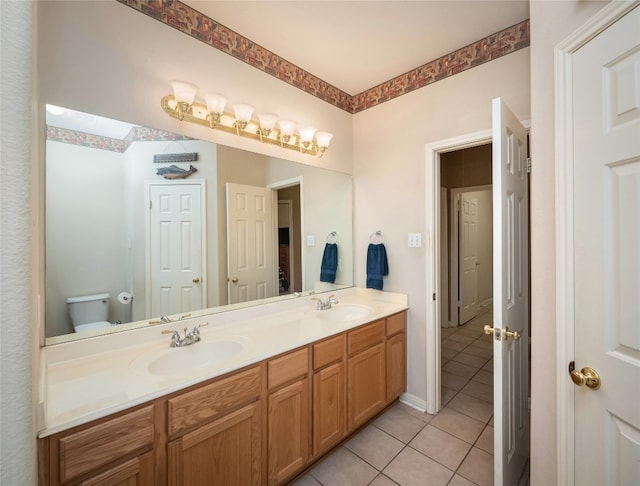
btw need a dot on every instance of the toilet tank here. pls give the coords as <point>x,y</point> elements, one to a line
<point>88,308</point>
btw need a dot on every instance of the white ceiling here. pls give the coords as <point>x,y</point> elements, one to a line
<point>356,45</point>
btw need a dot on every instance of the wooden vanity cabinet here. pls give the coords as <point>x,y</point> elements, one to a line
<point>396,355</point>
<point>288,415</point>
<point>117,450</point>
<point>366,373</point>
<point>259,425</point>
<point>215,433</point>
<point>329,393</point>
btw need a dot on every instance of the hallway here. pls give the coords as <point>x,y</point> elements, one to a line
<point>406,447</point>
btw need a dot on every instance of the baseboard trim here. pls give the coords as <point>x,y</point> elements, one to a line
<point>414,402</point>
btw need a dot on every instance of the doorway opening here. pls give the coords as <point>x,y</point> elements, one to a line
<point>466,277</point>
<point>289,240</point>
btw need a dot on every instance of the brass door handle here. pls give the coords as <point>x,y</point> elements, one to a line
<point>587,377</point>
<point>196,280</point>
<point>501,333</point>
<point>233,280</point>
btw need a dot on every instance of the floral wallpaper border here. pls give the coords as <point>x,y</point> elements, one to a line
<point>188,20</point>
<point>136,134</point>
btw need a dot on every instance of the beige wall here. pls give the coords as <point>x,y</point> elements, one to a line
<point>551,22</point>
<point>389,176</point>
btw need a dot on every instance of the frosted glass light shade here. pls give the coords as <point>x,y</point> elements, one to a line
<point>267,121</point>
<point>323,139</point>
<point>243,112</point>
<point>184,92</point>
<point>215,102</point>
<point>306,134</point>
<point>287,127</point>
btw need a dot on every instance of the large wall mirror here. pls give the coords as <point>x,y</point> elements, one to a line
<point>144,225</point>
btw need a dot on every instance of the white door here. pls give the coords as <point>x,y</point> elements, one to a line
<point>175,242</point>
<point>468,260</point>
<point>250,243</point>
<point>510,295</point>
<point>606,253</point>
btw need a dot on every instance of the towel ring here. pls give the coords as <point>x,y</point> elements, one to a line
<point>332,237</point>
<point>377,235</point>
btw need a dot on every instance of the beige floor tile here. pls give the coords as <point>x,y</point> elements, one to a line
<point>410,468</point>
<point>447,354</point>
<point>461,338</point>
<point>453,345</point>
<point>460,425</point>
<point>400,424</point>
<point>474,332</point>
<point>479,390</point>
<point>423,416</point>
<point>460,481</point>
<point>483,376</point>
<point>374,446</point>
<point>447,331</point>
<point>485,441</point>
<point>343,467</point>
<point>469,359</point>
<point>306,480</point>
<point>478,467</point>
<point>382,480</point>
<point>479,351</point>
<point>440,446</point>
<point>446,394</point>
<point>460,369</point>
<point>471,406</point>
<point>452,381</point>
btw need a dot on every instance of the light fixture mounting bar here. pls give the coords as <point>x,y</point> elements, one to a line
<point>198,113</point>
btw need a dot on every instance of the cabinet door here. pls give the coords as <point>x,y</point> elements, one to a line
<point>366,392</point>
<point>396,366</point>
<point>329,407</point>
<point>227,451</point>
<point>136,472</point>
<point>288,430</point>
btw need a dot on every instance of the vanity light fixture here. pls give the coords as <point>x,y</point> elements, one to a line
<point>184,93</point>
<point>267,123</point>
<point>215,107</point>
<point>182,105</point>
<point>243,116</point>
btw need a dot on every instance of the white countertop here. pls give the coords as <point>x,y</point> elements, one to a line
<point>88,379</point>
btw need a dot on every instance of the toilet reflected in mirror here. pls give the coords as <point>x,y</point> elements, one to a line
<point>88,312</point>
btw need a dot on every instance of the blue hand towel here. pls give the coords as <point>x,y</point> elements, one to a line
<point>329,264</point>
<point>377,265</point>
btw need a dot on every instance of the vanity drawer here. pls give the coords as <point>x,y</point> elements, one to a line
<point>365,337</point>
<point>205,403</point>
<point>328,351</point>
<point>92,448</point>
<point>288,367</point>
<point>396,323</point>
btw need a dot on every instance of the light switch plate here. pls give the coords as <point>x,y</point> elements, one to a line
<point>311,240</point>
<point>415,240</point>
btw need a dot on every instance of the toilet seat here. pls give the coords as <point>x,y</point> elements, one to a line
<point>92,325</point>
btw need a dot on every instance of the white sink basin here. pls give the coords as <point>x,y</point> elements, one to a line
<point>195,358</point>
<point>344,313</point>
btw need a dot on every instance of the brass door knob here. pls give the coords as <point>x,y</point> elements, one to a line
<point>233,280</point>
<point>196,280</point>
<point>514,334</point>
<point>587,377</point>
<point>501,334</point>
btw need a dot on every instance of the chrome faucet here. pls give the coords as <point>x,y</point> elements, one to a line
<point>188,339</point>
<point>324,305</point>
<point>167,319</point>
